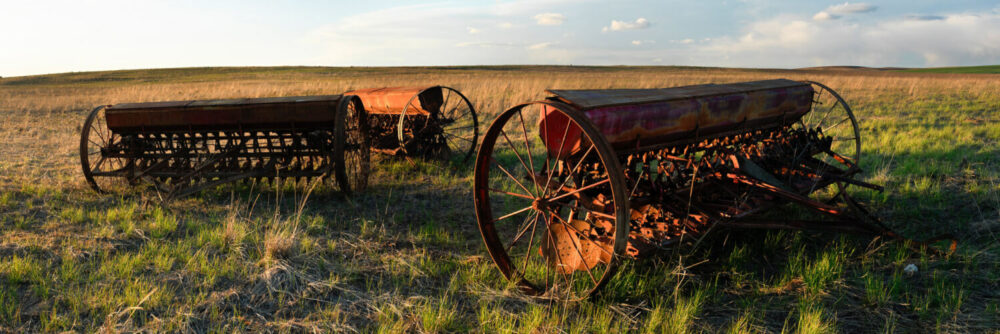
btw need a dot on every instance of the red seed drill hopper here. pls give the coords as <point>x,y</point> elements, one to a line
<point>567,187</point>
<point>434,121</point>
<point>184,146</point>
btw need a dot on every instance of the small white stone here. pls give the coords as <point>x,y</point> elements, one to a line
<point>910,269</point>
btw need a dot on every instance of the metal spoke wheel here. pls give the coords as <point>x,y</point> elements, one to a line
<point>104,171</point>
<point>832,120</point>
<point>351,153</point>
<point>553,217</point>
<point>453,127</point>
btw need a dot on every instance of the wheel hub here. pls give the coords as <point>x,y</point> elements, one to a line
<point>540,204</point>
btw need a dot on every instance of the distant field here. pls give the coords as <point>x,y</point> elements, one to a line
<point>406,255</point>
<point>989,69</point>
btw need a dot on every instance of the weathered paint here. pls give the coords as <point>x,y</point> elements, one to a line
<point>392,100</point>
<point>658,116</point>
<point>284,112</point>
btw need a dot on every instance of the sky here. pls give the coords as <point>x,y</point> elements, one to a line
<point>52,36</point>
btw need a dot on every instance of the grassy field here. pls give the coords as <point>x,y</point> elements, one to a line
<point>987,69</point>
<point>406,255</point>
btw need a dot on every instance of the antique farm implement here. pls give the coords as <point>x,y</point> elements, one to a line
<point>434,121</point>
<point>566,187</point>
<point>183,146</point>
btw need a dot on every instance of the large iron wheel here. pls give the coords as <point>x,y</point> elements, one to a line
<point>454,125</point>
<point>351,156</point>
<point>833,118</point>
<point>104,173</point>
<point>554,224</point>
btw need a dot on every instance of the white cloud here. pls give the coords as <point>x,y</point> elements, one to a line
<point>539,46</point>
<point>640,23</point>
<point>837,11</point>
<point>788,41</point>
<point>437,34</point>
<point>643,42</point>
<point>851,8</point>
<point>824,16</point>
<point>549,19</point>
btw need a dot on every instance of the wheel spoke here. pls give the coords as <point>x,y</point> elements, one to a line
<point>561,196</point>
<point>562,143</point>
<point>512,194</point>
<point>511,176</point>
<point>575,168</point>
<point>581,232</point>
<point>457,137</point>
<point>515,213</point>
<point>465,112</point>
<point>461,109</point>
<point>817,101</point>
<point>99,132</point>
<point>444,106</point>
<point>518,155</point>
<point>579,253</point>
<point>98,164</point>
<point>552,244</point>
<point>531,243</point>
<point>527,146</point>
<point>828,112</point>
<point>460,128</point>
<point>592,212</point>
<point>839,123</point>
<point>524,229</point>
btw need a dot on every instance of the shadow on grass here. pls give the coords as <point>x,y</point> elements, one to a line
<point>397,251</point>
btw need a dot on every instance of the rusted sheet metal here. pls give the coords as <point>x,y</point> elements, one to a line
<point>392,100</point>
<point>568,252</point>
<point>273,112</point>
<point>630,117</point>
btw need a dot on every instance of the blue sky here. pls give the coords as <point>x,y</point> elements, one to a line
<point>60,36</point>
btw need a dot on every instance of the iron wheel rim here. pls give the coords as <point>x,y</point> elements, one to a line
<point>455,120</point>
<point>501,254</point>
<point>94,137</point>
<point>835,120</point>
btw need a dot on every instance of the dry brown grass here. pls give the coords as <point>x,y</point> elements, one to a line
<point>34,117</point>
<point>492,90</point>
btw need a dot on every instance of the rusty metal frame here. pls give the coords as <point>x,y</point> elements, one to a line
<point>251,139</point>
<point>677,190</point>
<point>417,131</point>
